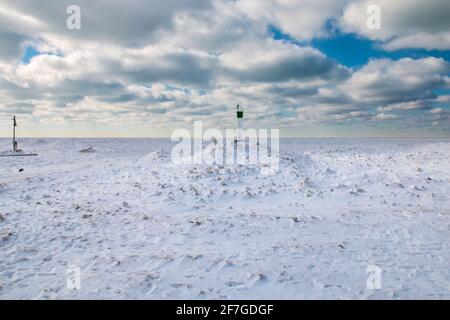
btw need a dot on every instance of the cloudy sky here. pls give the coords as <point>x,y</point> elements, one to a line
<point>143,68</point>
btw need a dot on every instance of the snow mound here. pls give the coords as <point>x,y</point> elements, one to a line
<point>41,141</point>
<point>333,210</point>
<point>159,156</point>
<point>88,150</point>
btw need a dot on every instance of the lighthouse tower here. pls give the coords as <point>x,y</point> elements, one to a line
<point>239,124</point>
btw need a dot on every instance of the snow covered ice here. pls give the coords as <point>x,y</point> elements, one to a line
<point>136,226</point>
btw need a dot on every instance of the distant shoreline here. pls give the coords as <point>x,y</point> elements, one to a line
<point>283,138</point>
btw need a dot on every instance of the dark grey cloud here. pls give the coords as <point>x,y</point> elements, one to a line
<point>182,68</point>
<point>10,45</point>
<point>291,91</point>
<point>19,108</point>
<point>291,68</point>
<point>128,22</point>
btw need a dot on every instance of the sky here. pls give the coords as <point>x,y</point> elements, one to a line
<point>140,68</point>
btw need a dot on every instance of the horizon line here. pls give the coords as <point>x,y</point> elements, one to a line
<point>303,138</point>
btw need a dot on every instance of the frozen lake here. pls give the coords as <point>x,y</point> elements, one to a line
<point>134,225</point>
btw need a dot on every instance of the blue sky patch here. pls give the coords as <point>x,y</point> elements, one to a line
<point>354,52</point>
<point>29,53</point>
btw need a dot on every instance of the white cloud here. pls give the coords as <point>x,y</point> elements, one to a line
<point>437,111</point>
<point>302,19</point>
<point>386,81</point>
<point>273,61</point>
<point>404,24</point>
<point>438,41</point>
<point>385,116</point>
<point>171,63</point>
